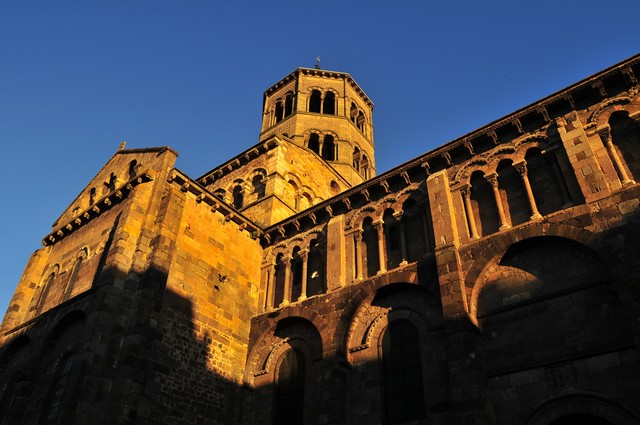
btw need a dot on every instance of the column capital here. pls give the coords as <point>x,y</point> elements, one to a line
<point>465,191</point>
<point>521,167</point>
<point>605,133</point>
<point>492,179</point>
<point>357,235</point>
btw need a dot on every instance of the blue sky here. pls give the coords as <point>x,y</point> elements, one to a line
<point>77,78</point>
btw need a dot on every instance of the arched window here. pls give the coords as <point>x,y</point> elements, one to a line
<point>315,101</point>
<point>238,197</point>
<point>289,405</point>
<point>360,121</point>
<point>74,275</point>
<point>512,193</point>
<point>296,274</point>
<point>314,143</point>
<point>353,112</point>
<point>111,183</point>
<point>483,205</point>
<point>291,194</point>
<point>364,166</point>
<point>402,373</point>
<point>356,158</point>
<point>329,148</point>
<point>133,169</point>
<point>329,103</point>
<point>279,112</point>
<point>335,187</point>
<point>288,105</point>
<point>15,400</point>
<point>392,240</point>
<point>279,274</point>
<point>259,186</point>
<point>370,242</point>
<point>625,135</point>
<point>46,288</point>
<point>57,389</point>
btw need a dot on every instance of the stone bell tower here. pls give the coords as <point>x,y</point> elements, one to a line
<point>327,113</point>
<point>316,141</point>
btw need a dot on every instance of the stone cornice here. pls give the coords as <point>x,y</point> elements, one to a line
<point>238,161</point>
<point>204,196</point>
<point>320,73</point>
<point>99,207</point>
<point>442,157</point>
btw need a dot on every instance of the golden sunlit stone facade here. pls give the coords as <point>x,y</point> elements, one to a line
<point>493,280</point>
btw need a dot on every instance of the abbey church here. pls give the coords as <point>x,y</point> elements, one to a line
<point>494,280</point>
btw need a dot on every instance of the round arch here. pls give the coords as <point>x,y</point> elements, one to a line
<point>551,412</point>
<point>491,255</point>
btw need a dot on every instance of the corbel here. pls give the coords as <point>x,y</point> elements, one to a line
<point>347,202</point>
<point>569,99</point>
<point>426,167</point>
<point>385,186</point>
<point>406,178</point>
<point>545,113</point>
<point>365,193</point>
<point>313,218</point>
<point>329,210</point>
<point>494,137</point>
<point>518,124</point>
<point>447,157</point>
<point>469,146</point>
<point>597,85</point>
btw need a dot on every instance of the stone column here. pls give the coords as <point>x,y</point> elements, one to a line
<point>403,237</point>
<point>493,181</point>
<point>286,298</point>
<point>304,254</point>
<point>605,136</point>
<point>382,254</point>
<point>465,191</point>
<point>522,169</point>
<point>357,243</point>
<point>270,288</point>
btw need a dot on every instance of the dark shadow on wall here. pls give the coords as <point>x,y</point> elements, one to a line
<point>124,355</point>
